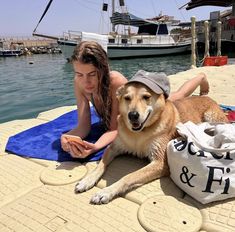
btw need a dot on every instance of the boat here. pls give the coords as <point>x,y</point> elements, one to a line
<point>153,38</point>
<point>227,19</point>
<point>9,50</point>
<point>157,36</point>
<point>9,53</point>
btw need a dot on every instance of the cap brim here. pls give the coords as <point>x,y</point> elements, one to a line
<point>150,84</point>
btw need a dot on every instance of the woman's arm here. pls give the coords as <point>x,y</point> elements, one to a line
<point>117,80</point>
<point>84,116</point>
<point>84,121</point>
<point>200,80</point>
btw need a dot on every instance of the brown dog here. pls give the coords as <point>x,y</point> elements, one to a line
<point>147,122</point>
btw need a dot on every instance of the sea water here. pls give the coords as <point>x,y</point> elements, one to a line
<point>32,84</point>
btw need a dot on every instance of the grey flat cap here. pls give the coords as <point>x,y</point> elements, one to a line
<point>157,82</point>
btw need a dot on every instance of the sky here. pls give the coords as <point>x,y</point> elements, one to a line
<point>20,17</point>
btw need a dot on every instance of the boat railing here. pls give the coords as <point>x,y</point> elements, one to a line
<point>143,40</point>
<point>72,35</point>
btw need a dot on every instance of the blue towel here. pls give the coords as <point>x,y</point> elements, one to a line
<point>43,141</point>
<point>226,107</point>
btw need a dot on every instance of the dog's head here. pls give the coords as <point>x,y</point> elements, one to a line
<point>142,99</point>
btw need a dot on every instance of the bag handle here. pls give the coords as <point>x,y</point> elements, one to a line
<point>197,134</point>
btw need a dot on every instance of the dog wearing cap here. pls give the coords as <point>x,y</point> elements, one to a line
<point>146,123</point>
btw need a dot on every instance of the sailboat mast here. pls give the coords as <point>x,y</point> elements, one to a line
<point>113,10</point>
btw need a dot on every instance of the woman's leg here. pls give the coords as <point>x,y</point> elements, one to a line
<point>190,86</point>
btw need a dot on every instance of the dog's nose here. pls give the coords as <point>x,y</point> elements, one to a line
<point>133,116</point>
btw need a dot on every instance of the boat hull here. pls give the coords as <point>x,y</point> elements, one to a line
<point>67,48</point>
<point>130,51</point>
<point>119,52</point>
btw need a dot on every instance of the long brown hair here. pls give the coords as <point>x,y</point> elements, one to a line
<point>91,52</point>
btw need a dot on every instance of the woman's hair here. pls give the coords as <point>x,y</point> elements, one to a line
<point>91,52</point>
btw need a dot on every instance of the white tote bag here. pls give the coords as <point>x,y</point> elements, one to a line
<point>203,165</point>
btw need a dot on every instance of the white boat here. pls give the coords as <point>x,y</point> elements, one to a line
<point>9,53</point>
<point>153,37</point>
<point>8,50</point>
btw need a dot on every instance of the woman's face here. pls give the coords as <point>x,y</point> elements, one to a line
<point>87,76</point>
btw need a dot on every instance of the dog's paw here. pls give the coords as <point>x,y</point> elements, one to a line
<point>85,184</point>
<point>102,197</point>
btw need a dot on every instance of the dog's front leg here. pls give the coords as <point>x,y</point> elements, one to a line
<point>144,175</point>
<point>93,177</point>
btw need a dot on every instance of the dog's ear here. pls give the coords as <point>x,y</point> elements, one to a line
<point>120,92</point>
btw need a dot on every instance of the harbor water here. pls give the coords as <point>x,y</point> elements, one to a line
<point>32,84</point>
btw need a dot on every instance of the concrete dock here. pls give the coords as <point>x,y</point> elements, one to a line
<point>38,195</point>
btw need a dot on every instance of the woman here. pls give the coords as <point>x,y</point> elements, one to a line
<point>94,82</point>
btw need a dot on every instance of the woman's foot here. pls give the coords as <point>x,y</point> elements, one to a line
<point>204,86</point>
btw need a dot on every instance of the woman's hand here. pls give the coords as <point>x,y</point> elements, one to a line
<point>81,151</point>
<point>64,143</point>
<point>77,150</point>
<point>73,148</point>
